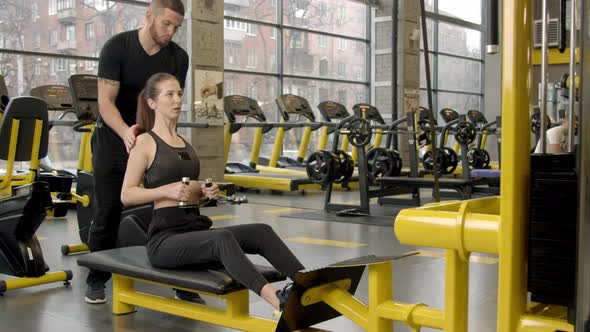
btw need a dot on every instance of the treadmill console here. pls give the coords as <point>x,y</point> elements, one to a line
<point>3,94</point>
<point>476,117</point>
<point>424,115</point>
<point>84,89</point>
<point>332,110</point>
<point>57,97</point>
<point>236,105</point>
<point>296,105</point>
<point>371,112</point>
<point>449,114</point>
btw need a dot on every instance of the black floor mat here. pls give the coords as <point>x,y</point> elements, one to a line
<point>380,216</point>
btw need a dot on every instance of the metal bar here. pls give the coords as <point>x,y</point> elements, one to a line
<point>369,49</point>
<point>572,104</point>
<point>280,51</point>
<point>492,43</point>
<point>326,79</point>
<point>544,59</point>
<point>456,292</point>
<point>516,50</point>
<point>133,2</point>
<point>454,91</point>
<point>429,95</point>
<point>454,55</point>
<point>583,250</point>
<point>289,27</point>
<point>394,32</point>
<point>246,72</point>
<point>49,55</point>
<point>456,21</point>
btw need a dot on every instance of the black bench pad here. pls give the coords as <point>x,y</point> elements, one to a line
<point>133,262</point>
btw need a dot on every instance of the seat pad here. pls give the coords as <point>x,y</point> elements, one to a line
<point>133,262</point>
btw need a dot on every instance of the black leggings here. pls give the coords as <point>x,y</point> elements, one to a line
<point>228,246</point>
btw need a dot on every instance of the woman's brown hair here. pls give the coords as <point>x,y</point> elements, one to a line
<point>145,114</point>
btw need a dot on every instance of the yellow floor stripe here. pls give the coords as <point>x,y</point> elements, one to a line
<point>356,201</point>
<point>283,210</point>
<point>324,242</point>
<point>473,258</point>
<point>224,216</point>
<point>41,238</point>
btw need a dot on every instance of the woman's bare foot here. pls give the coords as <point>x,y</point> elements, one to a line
<point>269,294</point>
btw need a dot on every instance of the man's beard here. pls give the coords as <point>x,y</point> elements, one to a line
<point>156,38</point>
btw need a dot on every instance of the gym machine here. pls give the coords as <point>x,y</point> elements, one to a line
<point>478,156</point>
<point>383,162</point>
<point>290,106</point>
<point>23,199</point>
<point>239,110</point>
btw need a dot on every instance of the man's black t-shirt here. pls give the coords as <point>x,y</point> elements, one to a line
<point>123,59</point>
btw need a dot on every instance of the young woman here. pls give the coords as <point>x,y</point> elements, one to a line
<point>178,236</point>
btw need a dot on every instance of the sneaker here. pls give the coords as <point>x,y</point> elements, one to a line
<point>283,295</point>
<point>95,294</point>
<point>188,296</point>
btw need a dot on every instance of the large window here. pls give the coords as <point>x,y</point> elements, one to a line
<point>316,49</point>
<point>455,41</point>
<point>72,33</point>
<point>271,46</point>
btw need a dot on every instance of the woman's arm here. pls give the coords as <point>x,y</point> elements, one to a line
<point>138,163</point>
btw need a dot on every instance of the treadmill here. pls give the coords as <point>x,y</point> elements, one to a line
<point>290,106</point>
<point>238,110</point>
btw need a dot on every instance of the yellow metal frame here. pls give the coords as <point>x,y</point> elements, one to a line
<point>24,282</point>
<point>85,157</point>
<point>555,57</point>
<point>495,225</point>
<point>236,314</point>
<point>9,180</point>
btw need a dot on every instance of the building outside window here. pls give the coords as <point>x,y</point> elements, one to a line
<point>89,31</point>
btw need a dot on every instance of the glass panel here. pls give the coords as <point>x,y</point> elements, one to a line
<point>334,16</point>
<point>424,99</point>
<point>468,10</point>
<point>257,10</point>
<point>423,70</point>
<point>22,73</point>
<point>429,5</point>
<point>316,92</point>
<point>459,74</point>
<point>64,29</point>
<point>262,89</point>
<point>458,40</point>
<point>309,54</point>
<point>250,47</point>
<point>430,29</point>
<point>459,102</point>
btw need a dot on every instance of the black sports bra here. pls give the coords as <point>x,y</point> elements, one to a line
<point>171,164</point>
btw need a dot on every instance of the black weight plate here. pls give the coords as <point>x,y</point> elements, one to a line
<point>379,163</point>
<point>396,159</point>
<point>451,160</point>
<point>428,160</point>
<point>360,132</point>
<point>465,132</point>
<point>477,158</point>
<point>321,167</point>
<point>345,166</point>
